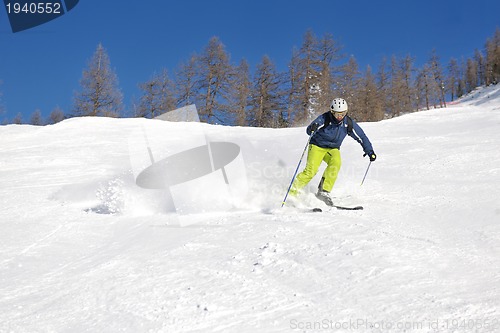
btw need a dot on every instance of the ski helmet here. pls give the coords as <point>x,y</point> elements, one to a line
<point>338,105</point>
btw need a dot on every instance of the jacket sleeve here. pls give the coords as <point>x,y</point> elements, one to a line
<point>320,120</point>
<point>360,136</point>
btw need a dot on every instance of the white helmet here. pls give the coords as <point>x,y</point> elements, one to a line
<point>338,105</point>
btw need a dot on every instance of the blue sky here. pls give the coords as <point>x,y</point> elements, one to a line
<point>41,67</point>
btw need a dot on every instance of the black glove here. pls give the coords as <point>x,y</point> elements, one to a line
<point>314,127</point>
<point>371,155</point>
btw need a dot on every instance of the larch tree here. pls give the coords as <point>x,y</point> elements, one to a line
<point>99,95</point>
<point>36,118</point>
<point>348,86</point>
<point>453,78</point>
<point>186,81</point>
<point>401,89</point>
<point>158,96</point>
<point>293,83</point>
<point>239,96</point>
<point>311,76</point>
<point>425,87</point>
<point>438,78</point>
<point>214,78</point>
<point>493,59</point>
<point>57,115</point>
<point>18,119</point>
<point>370,106</point>
<point>481,67</point>
<point>471,78</point>
<point>407,72</point>
<point>383,85</point>
<point>267,108</point>
<point>328,54</point>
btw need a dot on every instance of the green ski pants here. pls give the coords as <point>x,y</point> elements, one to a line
<point>315,156</point>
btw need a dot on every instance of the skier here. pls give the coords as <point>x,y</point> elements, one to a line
<point>328,131</point>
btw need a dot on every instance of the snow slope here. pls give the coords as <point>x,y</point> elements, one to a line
<point>83,249</point>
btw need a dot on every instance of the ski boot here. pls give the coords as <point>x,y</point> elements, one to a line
<point>325,197</point>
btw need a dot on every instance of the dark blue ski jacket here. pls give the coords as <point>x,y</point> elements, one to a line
<point>332,135</point>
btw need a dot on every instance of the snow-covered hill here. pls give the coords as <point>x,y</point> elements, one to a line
<point>84,249</point>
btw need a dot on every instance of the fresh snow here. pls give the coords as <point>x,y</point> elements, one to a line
<point>84,249</point>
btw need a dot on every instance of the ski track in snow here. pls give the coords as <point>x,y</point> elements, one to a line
<point>423,256</point>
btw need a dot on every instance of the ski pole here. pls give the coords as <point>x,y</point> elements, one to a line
<point>366,173</point>
<point>297,169</point>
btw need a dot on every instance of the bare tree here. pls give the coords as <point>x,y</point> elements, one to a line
<point>348,85</point>
<point>383,85</point>
<point>425,86</point>
<point>158,96</point>
<point>186,81</point>
<point>57,115</point>
<point>438,77</point>
<point>453,79</point>
<point>293,83</point>
<point>481,67</point>
<point>36,118</point>
<point>267,109</point>
<point>18,119</point>
<point>215,71</point>
<point>401,88</point>
<point>493,59</point>
<point>240,92</point>
<point>311,76</point>
<point>407,71</point>
<point>370,106</point>
<point>308,70</point>
<point>100,95</point>
<point>471,79</point>
<point>328,54</point>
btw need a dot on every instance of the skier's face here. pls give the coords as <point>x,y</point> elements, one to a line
<point>339,115</point>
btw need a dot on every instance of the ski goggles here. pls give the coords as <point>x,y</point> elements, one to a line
<point>340,114</point>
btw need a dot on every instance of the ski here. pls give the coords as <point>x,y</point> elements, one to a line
<point>348,208</point>
<point>324,197</point>
<point>319,210</point>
